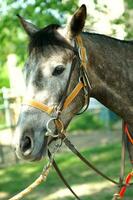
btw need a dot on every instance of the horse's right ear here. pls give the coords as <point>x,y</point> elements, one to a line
<point>28,27</point>
<point>77,22</point>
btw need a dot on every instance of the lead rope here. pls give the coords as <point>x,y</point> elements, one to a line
<point>42,177</point>
<point>37,182</point>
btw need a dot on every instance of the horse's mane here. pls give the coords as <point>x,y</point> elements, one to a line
<point>46,38</point>
<point>108,38</point>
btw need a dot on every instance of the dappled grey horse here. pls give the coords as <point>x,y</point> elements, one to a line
<point>51,53</point>
<point>65,66</point>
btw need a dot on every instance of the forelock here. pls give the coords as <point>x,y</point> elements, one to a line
<point>48,38</point>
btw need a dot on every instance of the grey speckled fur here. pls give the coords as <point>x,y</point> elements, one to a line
<point>110,70</point>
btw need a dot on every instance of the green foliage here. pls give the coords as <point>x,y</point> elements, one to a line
<point>127,18</point>
<point>4,81</point>
<point>41,13</point>
<point>13,38</point>
<point>85,122</point>
<point>129,4</point>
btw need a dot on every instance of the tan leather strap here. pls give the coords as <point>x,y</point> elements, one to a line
<point>82,51</point>
<point>48,109</point>
<point>39,105</point>
<point>73,94</point>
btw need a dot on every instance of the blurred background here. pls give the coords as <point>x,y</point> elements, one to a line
<point>96,133</point>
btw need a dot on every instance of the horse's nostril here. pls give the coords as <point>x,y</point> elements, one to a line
<point>26,146</point>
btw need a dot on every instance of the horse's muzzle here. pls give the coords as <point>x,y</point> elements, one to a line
<point>30,148</point>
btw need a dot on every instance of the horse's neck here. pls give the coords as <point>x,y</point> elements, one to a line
<point>110,71</point>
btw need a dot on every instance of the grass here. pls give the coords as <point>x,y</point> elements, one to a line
<point>106,158</point>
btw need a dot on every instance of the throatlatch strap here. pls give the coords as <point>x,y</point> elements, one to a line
<point>73,94</point>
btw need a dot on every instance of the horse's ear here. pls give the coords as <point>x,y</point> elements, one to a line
<point>77,22</point>
<point>28,27</point>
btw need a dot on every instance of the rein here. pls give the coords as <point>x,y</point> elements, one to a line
<point>55,112</point>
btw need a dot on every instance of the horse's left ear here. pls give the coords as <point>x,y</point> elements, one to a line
<point>28,27</point>
<point>77,22</point>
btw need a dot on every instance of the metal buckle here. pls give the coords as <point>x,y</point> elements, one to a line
<point>59,126</point>
<point>49,131</point>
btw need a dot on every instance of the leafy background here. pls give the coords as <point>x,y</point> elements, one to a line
<point>14,40</point>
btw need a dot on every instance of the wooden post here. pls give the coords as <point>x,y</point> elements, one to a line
<point>7,107</point>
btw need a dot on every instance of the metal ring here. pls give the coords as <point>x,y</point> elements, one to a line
<point>60,125</point>
<point>49,131</point>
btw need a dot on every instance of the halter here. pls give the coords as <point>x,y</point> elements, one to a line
<point>83,84</point>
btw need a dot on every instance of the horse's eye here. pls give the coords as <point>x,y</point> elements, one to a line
<point>58,70</point>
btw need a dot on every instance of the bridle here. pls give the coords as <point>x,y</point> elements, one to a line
<point>83,84</point>
<point>55,112</point>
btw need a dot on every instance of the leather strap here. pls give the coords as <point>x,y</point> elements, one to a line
<point>122,187</point>
<point>83,159</point>
<point>73,94</point>
<point>64,180</point>
<point>48,109</point>
<point>82,51</point>
<point>39,105</point>
<point>61,176</point>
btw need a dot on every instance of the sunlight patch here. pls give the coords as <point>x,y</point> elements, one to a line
<point>80,190</point>
<point>3,195</point>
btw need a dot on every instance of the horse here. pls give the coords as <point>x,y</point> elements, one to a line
<point>52,71</point>
<point>65,67</point>
<point>51,51</point>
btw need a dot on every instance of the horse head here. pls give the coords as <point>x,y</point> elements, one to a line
<point>52,72</point>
